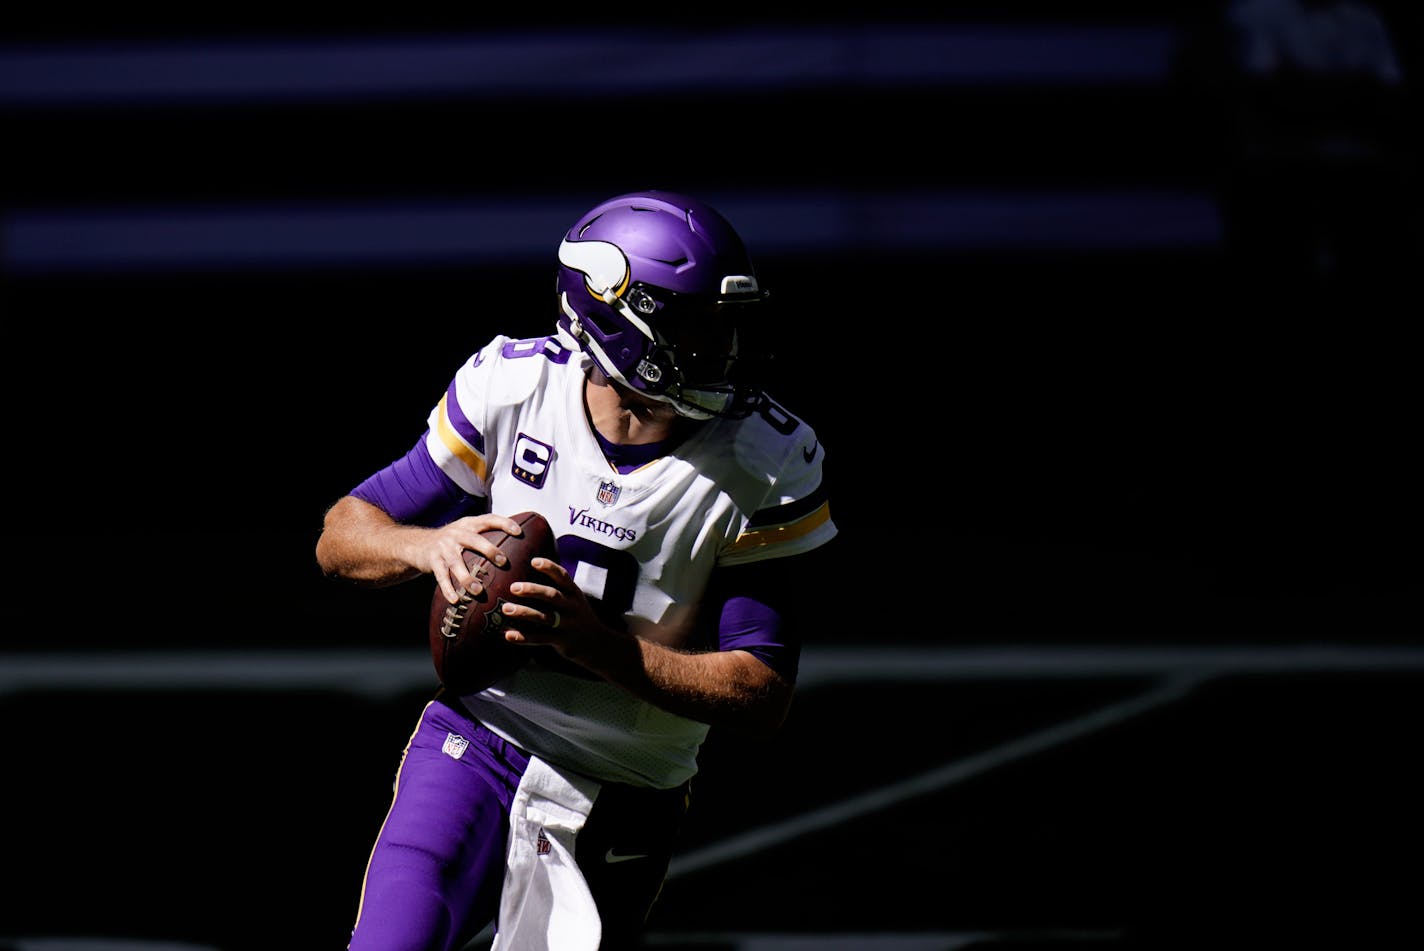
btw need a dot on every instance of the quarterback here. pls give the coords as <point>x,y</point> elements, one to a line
<point>683,498</point>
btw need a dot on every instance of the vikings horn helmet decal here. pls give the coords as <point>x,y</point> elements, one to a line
<point>606,275</point>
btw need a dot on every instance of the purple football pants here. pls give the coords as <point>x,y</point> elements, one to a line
<point>434,877</point>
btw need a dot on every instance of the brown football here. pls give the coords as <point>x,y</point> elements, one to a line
<point>467,638</point>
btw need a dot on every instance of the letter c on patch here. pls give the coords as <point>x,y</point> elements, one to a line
<point>531,460</point>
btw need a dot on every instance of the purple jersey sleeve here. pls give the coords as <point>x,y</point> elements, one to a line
<point>756,627</point>
<point>413,489</point>
<point>760,608</point>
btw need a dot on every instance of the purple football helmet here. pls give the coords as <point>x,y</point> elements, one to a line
<point>654,287</point>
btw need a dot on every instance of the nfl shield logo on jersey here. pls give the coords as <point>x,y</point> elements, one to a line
<point>607,492</point>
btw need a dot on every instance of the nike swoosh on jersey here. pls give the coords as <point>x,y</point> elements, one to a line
<point>610,857</point>
<point>809,454</point>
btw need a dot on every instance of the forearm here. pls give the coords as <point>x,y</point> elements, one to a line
<point>722,688</point>
<point>361,543</point>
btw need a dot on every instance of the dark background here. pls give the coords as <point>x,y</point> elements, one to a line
<point>1054,415</point>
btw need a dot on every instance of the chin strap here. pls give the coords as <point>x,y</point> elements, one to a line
<point>575,331</point>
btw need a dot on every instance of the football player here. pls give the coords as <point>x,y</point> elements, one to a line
<point>683,498</point>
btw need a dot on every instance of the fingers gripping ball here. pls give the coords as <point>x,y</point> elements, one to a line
<point>467,641</point>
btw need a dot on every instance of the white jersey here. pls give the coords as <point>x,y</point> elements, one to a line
<point>512,427</point>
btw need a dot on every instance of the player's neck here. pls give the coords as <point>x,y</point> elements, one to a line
<point>626,418</point>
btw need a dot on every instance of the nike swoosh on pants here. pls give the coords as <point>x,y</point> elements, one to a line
<point>612,857</point>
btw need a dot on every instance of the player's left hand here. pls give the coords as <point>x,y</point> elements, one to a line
<point>557,614</point>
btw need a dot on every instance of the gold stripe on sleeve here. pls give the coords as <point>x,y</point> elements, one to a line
<point>777,534</point>
<point>458,447</point>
